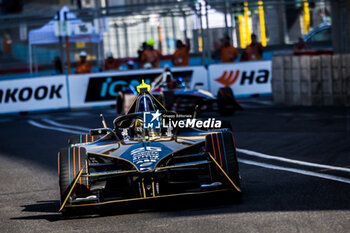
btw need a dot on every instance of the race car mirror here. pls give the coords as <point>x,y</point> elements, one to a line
<point>100,131</point>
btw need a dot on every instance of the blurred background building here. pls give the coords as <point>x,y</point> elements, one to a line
<point>125,24</point>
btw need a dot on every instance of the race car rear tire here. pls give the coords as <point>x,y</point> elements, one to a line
<point>221,146</point>
<point>70,161</point>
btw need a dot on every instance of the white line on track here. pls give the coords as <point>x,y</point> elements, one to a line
<point>36,124</point>
<point>54,123</point>
<point>248,152</point>
<point>294,170</point>
<point>265,156</point>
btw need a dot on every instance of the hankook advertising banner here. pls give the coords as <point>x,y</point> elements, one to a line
<point>44,93</point>
<point>102,89</point>
<point>245,78</point>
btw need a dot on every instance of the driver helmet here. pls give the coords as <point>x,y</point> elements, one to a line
<point>145,104</point>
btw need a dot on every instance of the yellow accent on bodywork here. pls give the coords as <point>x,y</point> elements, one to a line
<point>143,85</point>
<point>143,188</point>
<point>142,198</point>
<point>153,189</point>
<point>71,189</point>
<point>157,101</point>
<point>238,189</point>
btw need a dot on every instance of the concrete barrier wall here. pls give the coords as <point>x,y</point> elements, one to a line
<point>311,80</point>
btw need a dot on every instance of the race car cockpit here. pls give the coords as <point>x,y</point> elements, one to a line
<point>132,123</point>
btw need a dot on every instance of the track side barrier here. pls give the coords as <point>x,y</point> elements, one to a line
<point>33,94</point>
<point>244,78</point>
<point>102,89</point>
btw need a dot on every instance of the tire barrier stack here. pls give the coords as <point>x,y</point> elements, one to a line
<point>322,80</point>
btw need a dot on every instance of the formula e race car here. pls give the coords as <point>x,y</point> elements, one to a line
<point>147,155</point>
<point>175,95</point>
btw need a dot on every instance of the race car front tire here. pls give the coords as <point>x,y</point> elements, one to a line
<point>70,161</point>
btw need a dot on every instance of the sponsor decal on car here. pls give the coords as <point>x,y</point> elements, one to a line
<point>144,157</point>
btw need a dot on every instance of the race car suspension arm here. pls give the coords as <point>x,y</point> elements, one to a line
<point>222,170</point>
<point>71,189</point>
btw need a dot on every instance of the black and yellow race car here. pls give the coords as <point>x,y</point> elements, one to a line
<point>146,156</point>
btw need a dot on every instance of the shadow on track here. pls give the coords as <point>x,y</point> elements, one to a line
<point>50,207</point>
<point>289,193</point>
<point>212,203</point>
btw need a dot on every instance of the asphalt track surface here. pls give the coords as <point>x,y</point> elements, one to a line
<point>303,187</point>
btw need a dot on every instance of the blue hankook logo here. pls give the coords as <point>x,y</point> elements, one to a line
<point>151,120</point>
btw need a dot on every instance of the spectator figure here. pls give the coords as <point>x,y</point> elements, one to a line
<point>140,51</point>
<point>181,55</point>
<point>111,63</point>
<point>227,51</point>
<point>130,64</point>
<point>301,45</point>
<point>151,57</point>
<point>83,66</point>
<point>58,65</point>
<point>254,51</point>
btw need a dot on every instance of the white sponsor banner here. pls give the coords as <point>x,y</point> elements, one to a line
<point>101,89</point>
<point>44,93</point>
<point>245,78</point>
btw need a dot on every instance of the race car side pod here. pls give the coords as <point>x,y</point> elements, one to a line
<point>236,187</point>
<point>71,189</point>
